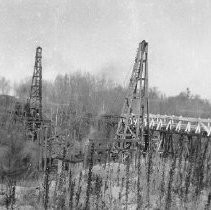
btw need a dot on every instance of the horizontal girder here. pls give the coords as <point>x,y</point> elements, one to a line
<point>174,123</point>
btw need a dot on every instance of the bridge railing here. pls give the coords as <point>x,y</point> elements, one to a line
<point>175,124</point>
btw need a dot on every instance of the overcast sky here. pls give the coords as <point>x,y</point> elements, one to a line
<point>101,36</point>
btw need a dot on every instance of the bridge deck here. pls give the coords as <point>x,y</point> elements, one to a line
<point>180,124</point>
<point>175,123</point>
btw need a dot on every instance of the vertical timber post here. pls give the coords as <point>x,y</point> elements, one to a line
<point>45,150</point>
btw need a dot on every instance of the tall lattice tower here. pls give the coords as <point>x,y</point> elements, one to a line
<point>35,100</point>
<point>135,108</point>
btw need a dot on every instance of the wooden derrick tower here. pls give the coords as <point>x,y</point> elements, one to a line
<point>36,86</point>
<point>34,104</point>
<point>131,129</point>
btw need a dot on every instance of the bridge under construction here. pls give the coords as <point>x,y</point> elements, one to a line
<point>135,126</point>
<point>182,143</point>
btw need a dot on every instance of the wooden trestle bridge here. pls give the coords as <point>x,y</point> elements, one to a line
<point>136,126</point>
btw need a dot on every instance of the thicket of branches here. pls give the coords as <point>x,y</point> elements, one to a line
<point>78,97</point>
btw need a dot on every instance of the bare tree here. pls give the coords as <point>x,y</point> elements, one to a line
<point>4,85</point>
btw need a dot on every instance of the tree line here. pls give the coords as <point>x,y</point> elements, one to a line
<point>86,93</point>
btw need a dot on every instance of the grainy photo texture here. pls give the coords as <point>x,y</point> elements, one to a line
<point>105,105</point>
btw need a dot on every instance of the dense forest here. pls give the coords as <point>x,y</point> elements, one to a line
<point>86,93</point>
